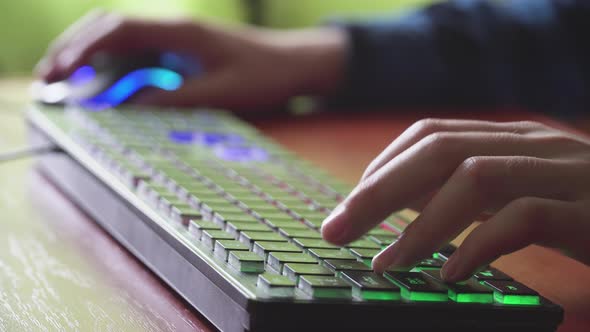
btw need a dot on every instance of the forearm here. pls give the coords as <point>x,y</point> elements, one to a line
<point>473,53</point>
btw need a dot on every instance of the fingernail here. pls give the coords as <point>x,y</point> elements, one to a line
<point>392,258</point>
<point>333,228</point>
<point>450,268</point>
<point>41,67</point>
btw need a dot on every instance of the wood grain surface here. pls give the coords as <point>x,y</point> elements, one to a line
<point>60,272</point>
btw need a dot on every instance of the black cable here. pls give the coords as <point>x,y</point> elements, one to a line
<point>28,152</point>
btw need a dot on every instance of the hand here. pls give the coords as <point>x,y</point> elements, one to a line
<point>533,180</point>
<point>244,66</point>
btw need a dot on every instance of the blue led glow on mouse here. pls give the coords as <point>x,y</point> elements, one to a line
<point>129,84</point>
<point>111,80</point>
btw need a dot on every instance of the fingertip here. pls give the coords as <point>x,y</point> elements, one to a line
<point>335,228</point>
<point>389,258</point>
<point>453,270</point>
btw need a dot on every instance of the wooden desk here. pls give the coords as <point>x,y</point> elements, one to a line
<point>60,271</point>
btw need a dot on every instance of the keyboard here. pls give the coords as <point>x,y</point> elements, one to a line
<point>230,221</point>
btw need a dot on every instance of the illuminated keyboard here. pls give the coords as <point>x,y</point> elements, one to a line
<point>230,220</point>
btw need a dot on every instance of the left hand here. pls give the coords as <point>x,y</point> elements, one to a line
<point>532,179</point>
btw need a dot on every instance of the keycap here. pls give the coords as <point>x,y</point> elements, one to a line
<point>249,237</point>
<point>282,216</point>
<point>166,203</point>
<point>363,244</point>
<point>324,287</point>
<point>337,265</point>
<point>491,273</point>
<point>196,227</point>
<point>417,287</point>
<point>313,243</point>
<point>262,248</point>
<point>445,252</point>
<point>221,208</point>
<point>223,218</point>
<point>235,227</point>
<point>183,214</point>
<point>468,291</point>
<point>314,222</point>
<point>331,254</point>
<point>209,236</point>
<point>365,255</point>
<point>294,270</point>
<point>513,293</point>
<point>246,261</point>
<point>300,233</point>
<point>287,224</point>
<point>276,260</point>
<point>430,263</point>
<point>224,247</point>
<point>276,285</point>
<point>380,231</point>
<point>371,286</point>
<point>383,240</point>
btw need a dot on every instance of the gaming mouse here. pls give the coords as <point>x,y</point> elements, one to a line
<point>109,80</point>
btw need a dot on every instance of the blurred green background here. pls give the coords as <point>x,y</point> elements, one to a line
<point>27,26</point>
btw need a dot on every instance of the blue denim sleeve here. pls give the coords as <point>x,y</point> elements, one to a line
<point>526,53</point>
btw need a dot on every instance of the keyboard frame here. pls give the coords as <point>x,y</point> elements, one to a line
<point>107,201</point>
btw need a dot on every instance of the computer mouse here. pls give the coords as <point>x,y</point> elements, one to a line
<point>109,80</point>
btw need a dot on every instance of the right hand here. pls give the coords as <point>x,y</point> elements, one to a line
<point>245,67</point>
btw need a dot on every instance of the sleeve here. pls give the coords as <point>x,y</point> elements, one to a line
<point>526,53</point>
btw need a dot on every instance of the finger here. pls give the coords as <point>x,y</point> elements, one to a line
<point>522,222</point>
<point>426,127</point>
<point>46,66</point>
<point>481,182</point>
<point>117,34</point>
<point>416,171</point>
<point>210,90</point>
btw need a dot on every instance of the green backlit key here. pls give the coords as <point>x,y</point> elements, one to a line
<point>287,224</point>
<point>235,227</point>
<point>445,252</point>
<point>417,287</point>
<point>363,244</point>
<point>301,233</point>
<point>183,214</point>
<point>383,240</point>
<point>209,236</point>
<point>294,270</point>
<point>249,237</point>
<point>246,261</point>
<point>491,274</point>
<point>282,216</point>
<point>331,254</point>
<point>196,227</point>
<point>365,255</point>
<point>276,285</point>
<point>224,247</point>
<point>276,260</point>
<point>371,286</point>
<point>380,231</point>
<point>430,263</point>
<point>513,293</point>
<point>262,248</point>
<point>313,243</point>
<point>315,222</point>
<point>221,208</point>
<point>239,217</point>
<point>468,291</point>
<point>337,265</point>
<point>324,287</point>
